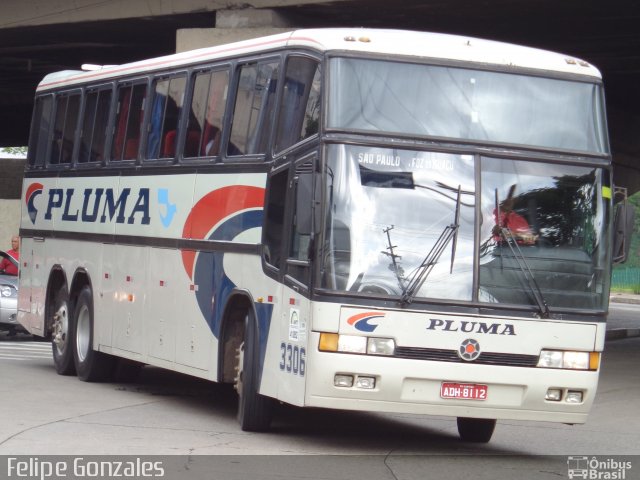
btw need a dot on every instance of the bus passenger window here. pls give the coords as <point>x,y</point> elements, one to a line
<point>40,130</point>
<point>207,113</point>
<point>94,126</point>
<point>129,117</point>
<point>300,106</point>
<point>64,128</point>
<point>254,105</point>
<point>165,117</point>
<point>274,224</point>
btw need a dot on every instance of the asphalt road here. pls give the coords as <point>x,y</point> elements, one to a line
<point>186,421</point>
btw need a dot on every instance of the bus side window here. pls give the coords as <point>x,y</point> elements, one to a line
<point>94,126</point>
<point>300,106</point>
<point>204,130</point>
<point>165,117</point>
<point>274,218</point>
<point>129,116</point>
<point>254,106</point>
<point>40,130</point>
<point>64,128</point>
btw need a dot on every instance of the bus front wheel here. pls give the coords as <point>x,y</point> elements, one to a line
<point>61,334</point>
<point>477,430</point>
<point>91,366</point>
<point>254,410</point>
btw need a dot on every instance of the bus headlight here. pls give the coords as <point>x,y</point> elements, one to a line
<point>569,360</point>
<point>332,342</point>
<point>381,346</point>
<point>352,344</point>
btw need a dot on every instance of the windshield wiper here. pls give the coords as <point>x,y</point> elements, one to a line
<point>509,238</point>
<point>450,233</point>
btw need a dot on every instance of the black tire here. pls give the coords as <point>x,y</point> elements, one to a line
<point>254,410</point>
<point>62,333</point>
<point>91,366</point>
<point>476,430</point>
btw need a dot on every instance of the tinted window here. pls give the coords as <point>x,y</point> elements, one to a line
<point>275,211</point>
<point>94,126</point>
<point>40,130</point>
<point>64,128</point>
<point>165,116</point>
<point>126,140</point>
<point>207,113</point>
<point>252,115</point>
<point>300,105</point>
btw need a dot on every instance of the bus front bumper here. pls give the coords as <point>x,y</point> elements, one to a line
<point>394,385</point>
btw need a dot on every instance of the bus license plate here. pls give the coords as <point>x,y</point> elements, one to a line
<point>463,391</point>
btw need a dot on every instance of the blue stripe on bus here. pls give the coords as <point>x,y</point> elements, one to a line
<point>214,286</point>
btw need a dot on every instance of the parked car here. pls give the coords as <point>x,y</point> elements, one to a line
<point>9,299</point>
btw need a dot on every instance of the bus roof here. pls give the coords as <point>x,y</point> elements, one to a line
<point>387,42</point>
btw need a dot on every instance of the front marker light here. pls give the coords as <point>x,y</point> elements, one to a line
<point>328,342</point>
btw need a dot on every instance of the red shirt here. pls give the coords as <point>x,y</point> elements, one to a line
<point>6,264</point>
<point>518,226</point>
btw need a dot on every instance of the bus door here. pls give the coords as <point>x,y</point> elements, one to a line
<point>297,278</point>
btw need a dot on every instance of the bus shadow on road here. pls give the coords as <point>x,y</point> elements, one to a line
<point>314,428</point>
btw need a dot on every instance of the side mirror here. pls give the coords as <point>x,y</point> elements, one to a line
<point>623,222</point>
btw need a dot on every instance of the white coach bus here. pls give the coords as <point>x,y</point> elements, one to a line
<point>373,220</point>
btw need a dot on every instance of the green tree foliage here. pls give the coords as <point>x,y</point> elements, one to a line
<point>22,151</point>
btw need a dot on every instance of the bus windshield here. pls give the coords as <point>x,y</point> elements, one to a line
<point>387,209</point>
<point>459,103</point>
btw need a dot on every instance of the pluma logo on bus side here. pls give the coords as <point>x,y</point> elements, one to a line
<point>101,205</point>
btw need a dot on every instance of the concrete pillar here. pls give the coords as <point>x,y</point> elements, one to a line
<point>233,26</point>
<point>11,173</point>
<point>9,222</point>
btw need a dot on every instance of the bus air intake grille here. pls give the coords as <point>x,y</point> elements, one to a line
<point>486,358</point>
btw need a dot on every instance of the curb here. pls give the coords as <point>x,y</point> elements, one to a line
<point>624,299</point>
<point>621,333</point>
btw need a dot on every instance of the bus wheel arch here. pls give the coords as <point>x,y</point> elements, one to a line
<point>231,334</point>
<point>58,321</point>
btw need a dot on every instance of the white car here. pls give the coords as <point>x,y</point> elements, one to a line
<point>9,299</point>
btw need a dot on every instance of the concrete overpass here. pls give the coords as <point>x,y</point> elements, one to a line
<point>41,36</point>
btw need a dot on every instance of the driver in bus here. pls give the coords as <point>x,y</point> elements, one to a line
<point>515,223</point>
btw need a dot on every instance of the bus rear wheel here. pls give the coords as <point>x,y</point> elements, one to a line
<point>91,366</point>
<point>254,410</point>
<point>476,430</point>
<point>61,334</point>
